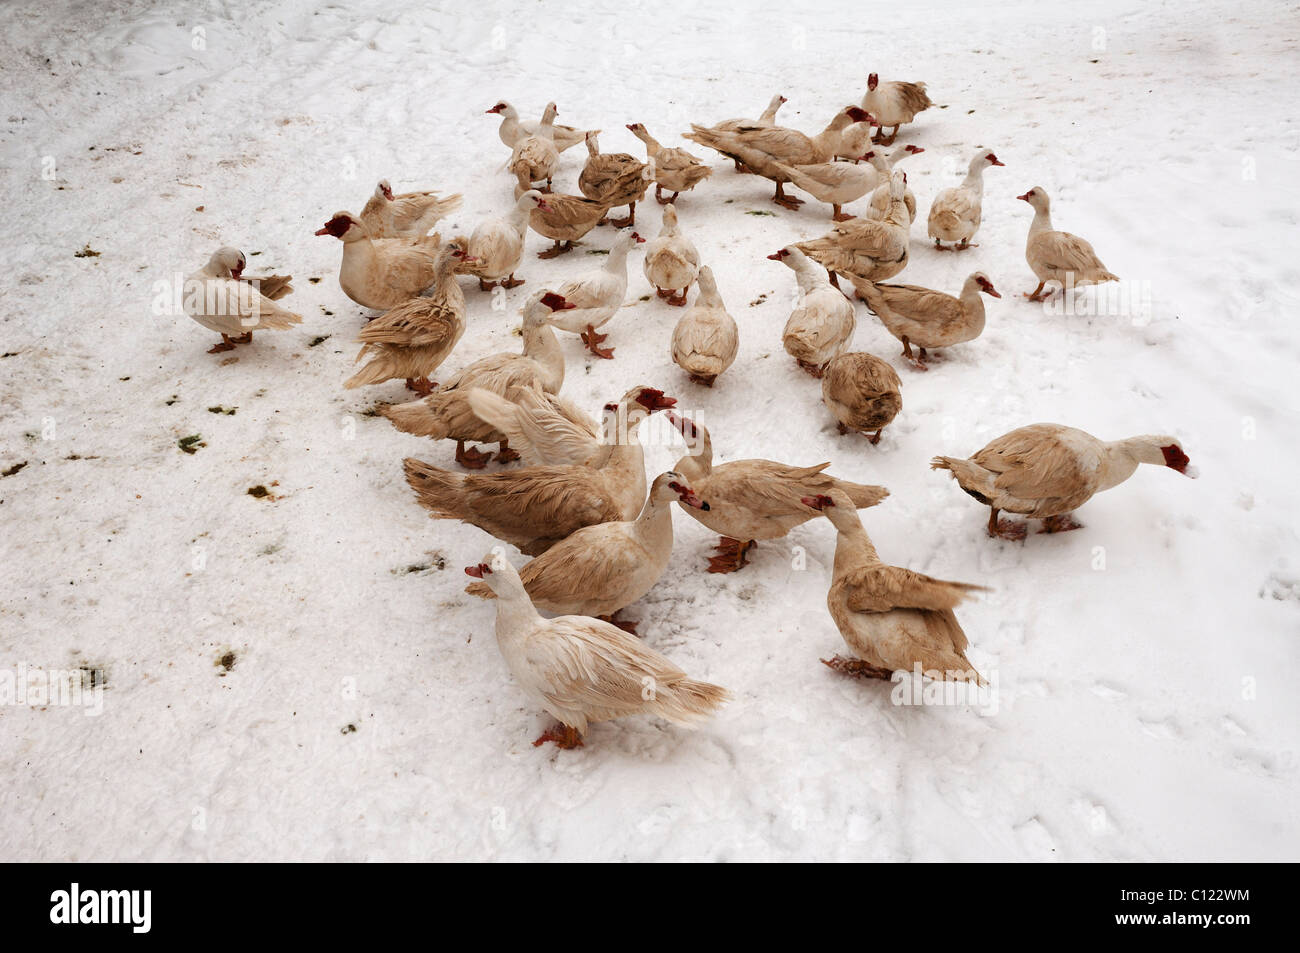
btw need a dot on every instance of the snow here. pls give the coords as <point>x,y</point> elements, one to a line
<point>1145,665</point>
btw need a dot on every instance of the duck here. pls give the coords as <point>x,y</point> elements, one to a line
<point>533,508</point>
<point>597,296</point>
<point>446,413</point>
<point>706,339</point>
<point>929,319</point>
<point>513,129</point>
<point>1058,256</point>
<point>766,118</point>
<point>546,429</point>
<point>866,249</point>
<point>220,298</point>
<point>751,500</point>
<point>582,670</point>
<point>564,219</point>
<point>675,169</point>
<point>863,392</point>
<point>822,322</point>
<point>1045,471</point>
<point>381,273</point>
<point>761,148</point>
<point>879,203</point>
<point>614,179</point>
<point>893,104</point>
<point>601,569</point>
<point>671,261</point>
<point>955,212</point>
<point>892,619</point>
<point>535,157</point>
<point>496,247</point>
<point>412,340</point>
<point>409,215</point>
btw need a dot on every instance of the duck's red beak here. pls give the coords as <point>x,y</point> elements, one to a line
<point>479,571</point>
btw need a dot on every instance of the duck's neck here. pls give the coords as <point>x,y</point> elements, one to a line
<point>1042,221</point>
<point>973,303</point>
<point>518,216</point>
<point>828,139</point>
<point>853,548</point>
<point>696,467</point>
<point>358,260</point>
<point>628,458</point>
<point>975,178</point>
<point>516,615</point>
<point>1123,457</point>
<point>616,263</point>
<point>654,526</point>
<point>652,145</point>
<point>510,127</point>
<point>541,344</point>
<point>810,277</point>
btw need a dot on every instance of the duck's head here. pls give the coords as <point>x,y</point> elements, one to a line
<point>504,110</point>
<point>497,571</point>
<point>1037,198</point>
<point>532,199</point>
<point>384,190</point>
<point>227,262</point>
<point>984,284</point>
<point>651,398</point>
<point>873,81</point>
<point>673,486</point>
<point>344,226</point>
<point>991,159</point>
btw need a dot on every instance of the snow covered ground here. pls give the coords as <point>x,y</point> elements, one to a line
<point>300,676</point>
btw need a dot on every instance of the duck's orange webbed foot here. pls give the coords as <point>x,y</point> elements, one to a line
<point>731,554</point>
<point>421,385</point>
<point>471,459</point>
<point>562,735</point>
<point>1060,524</point>
<point>858,668</point>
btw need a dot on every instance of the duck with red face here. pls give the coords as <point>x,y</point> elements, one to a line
<point>1045,471</point>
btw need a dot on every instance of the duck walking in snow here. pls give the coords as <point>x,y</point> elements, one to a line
<point>1058,256</point>
<point>1046,470</point>
<point>891,618</point>
<point>218,297</point>
<point>582,670</point>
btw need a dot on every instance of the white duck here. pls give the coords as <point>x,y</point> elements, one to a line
<point>705,340</point>
<point>929,319</point>
<point>767,118</point>
<point>761,148</point>
<point>955,213</point>
<point>822,322</point>
<point>535,156</point>
<point>751,500</point>
<point>865,248</point>
<point>597,296</point>
<point>601,569</point>
<point>513,129</point>
<point>546,429</point>
<point>218,297</point>
<point>496,248</point>
<point>863,392</point>
<point>1046,470</point>
<point>1058,256</point>
<point>409,215</point>
<point>533,508</point>
<point>891,618</point>
<point>671,260</point>
<point>675,169</point>
<point>582,670</point>
<point>412,340</point>
<point>381,273</point>
<point>447,413</point>
<point>881,200</point>
<point>894,104</point>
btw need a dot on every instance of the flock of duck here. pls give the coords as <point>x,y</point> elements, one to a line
<point>580,504</point>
